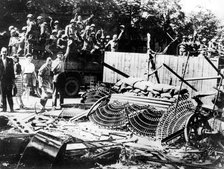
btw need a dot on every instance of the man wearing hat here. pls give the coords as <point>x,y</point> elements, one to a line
<point>32,35</point>
<point>203,46</point>
<point>41,24</point>
<point>183,47</point>
<point>30,18</point>
<point>212,48</point>
<point>44,34</point>
<point>92,27</point>
<point>70,30</point>
<point>56,26</point>
<point>83,23</point>
<point>51,45</point>
<point>22,41</point>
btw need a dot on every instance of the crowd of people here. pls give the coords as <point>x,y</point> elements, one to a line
<point>44,37</point>
<point>198,46</point>
<point>13,76</point>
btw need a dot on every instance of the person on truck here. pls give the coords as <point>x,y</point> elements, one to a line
<point>62,43</point>
<point>30,18</point>
<point>183,47</point>
<point>113,43</point>
<point>32,36</point>
<point>13,42</point>
<point>22,41</point>
<point>51,44</point>
<point>83,23</point>
<point>71,30</point>
<point>45,81</point>
<point>56,26</point>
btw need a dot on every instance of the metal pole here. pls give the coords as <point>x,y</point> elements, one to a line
<point>217,70</point>
<point>181,84</point>
<point>179,77</point>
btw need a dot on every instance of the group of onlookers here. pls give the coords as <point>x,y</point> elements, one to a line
<point>23,78</point>
<point>197,46</point>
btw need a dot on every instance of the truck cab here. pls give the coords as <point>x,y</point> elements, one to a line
<point>82,69</point>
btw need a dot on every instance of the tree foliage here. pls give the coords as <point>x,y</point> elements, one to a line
<point>204,22</point>
<point>163,19</point>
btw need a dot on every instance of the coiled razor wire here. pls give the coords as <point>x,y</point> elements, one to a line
<point>144,119</point>
<point>93,94</point>
<point>112,115</point>
<point>140,119</point>
<point>174,119</point>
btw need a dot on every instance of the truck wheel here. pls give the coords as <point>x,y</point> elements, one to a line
<point>72,86</point>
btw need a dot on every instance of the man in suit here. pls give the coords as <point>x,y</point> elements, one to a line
<point>7,78</point>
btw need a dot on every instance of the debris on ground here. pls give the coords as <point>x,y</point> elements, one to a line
<point>115,130</point>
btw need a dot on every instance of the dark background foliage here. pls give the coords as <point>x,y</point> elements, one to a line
<point>163,19</point>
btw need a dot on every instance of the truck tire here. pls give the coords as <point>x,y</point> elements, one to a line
<point>72,86</point>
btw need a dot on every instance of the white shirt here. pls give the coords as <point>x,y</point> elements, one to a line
<point>28,68</point>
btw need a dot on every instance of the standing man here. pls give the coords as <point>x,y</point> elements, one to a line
<point>58,80</point>
<point>7,78</point>
<point>44,79</point>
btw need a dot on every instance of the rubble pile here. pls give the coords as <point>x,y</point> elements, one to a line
<point>118,130</point>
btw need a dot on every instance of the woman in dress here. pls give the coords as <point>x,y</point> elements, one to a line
<point>18,81</point>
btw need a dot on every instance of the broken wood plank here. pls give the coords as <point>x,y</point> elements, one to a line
<point>202,78</point>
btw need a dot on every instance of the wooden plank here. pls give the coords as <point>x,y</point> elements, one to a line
<point>143,98</point>
<point>202,78</point>
<point>159,103</point>
<point>145,101</point>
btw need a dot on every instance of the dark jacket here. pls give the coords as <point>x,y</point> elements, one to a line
<point>7,75</point>
<point>58,69</point>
